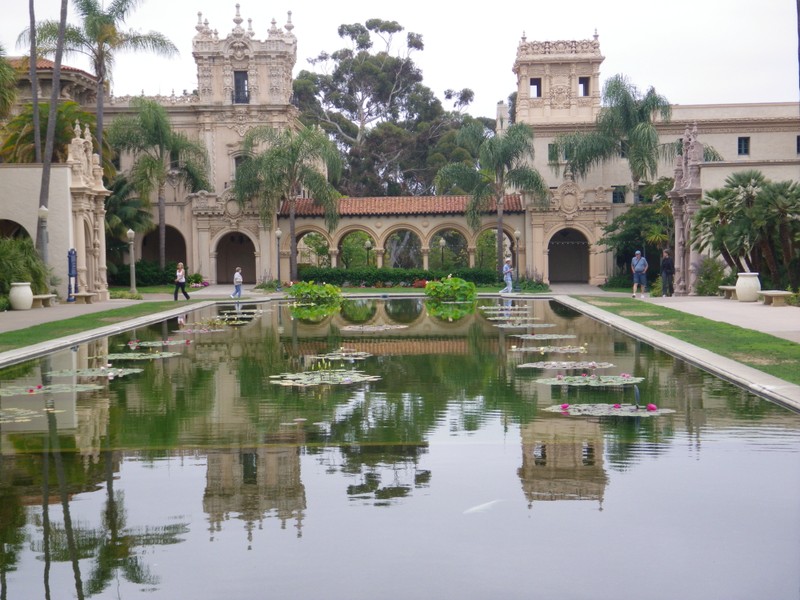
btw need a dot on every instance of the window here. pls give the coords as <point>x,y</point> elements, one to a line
<point>583,86</point>
<point>798,144</point>
<point>552,153</point>
<point>241,92</point>
<point>536,87</point>
<point>618,194</point>
<point>623,149</point>
<point>743,146</point>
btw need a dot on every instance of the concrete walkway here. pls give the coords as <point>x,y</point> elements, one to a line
<point>782,322</point>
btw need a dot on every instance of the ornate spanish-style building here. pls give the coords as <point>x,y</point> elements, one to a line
<point>243,82</point>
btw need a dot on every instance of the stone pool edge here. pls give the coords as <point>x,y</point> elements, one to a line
<point>762,384</point>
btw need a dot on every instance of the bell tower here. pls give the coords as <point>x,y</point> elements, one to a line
<point>558,81</point>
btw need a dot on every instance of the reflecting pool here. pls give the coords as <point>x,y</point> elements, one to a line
<point>188,460</point>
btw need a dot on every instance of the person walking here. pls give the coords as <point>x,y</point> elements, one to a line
<point>507,277</point>
<point>667,273</point>
<point>639,269</point>
<point>237,283</point>
<point>180,282</point>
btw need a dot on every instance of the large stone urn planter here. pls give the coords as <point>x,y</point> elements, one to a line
<point>747,287</point>
<point>20,296</point>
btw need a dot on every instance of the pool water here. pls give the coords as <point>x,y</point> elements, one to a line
<point>202,476</point>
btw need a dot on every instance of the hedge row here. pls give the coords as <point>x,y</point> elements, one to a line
<point>370,276</point>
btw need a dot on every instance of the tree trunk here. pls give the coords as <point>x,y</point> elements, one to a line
<point>292,239</point>
<point>500,258</point>
<point>162,228</point>
<point>37,134</point>
<point>47,159</point>
<point>101,88</point>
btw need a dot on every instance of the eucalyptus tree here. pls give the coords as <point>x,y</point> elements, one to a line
<point>625,128</point>
<point>370,98</point>
<point>279,166</point>
<point>504,161</point>
<point>159,152</point>
<point>99,36</point>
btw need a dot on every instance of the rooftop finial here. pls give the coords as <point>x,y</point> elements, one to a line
<point>288,27</point>
<point>595,34</point>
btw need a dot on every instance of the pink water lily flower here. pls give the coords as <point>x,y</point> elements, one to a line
<point>617,406</point>
<point>652,407</point>
<point>565,406</point>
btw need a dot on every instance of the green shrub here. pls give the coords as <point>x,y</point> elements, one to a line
<point>711,275</point>
<point>308,292</point>
<point>386,277</point>
<point>451,289</point>
<point>190,279</point>
<point>5,303</point>
<point>148,273</point>
<point>19,261</point>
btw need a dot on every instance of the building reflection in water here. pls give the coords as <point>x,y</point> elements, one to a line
<point>562,459</point>
<point>253,483</point>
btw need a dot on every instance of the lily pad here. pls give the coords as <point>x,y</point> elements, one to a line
<point>565,365</point>
<point>591,380</point>
<point>322,377</point>
<point>343,354</point>
<point>608,410</point>
<point>371,328</point>
<point>56,388</point>
<point>110,372</point>
<point>553,349</point>
<point>545,336</point>
<point>134,344</point>
<point>142,355</point>
<point>517,325</point>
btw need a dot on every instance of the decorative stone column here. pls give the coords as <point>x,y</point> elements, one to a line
<point>379,257</point>
<point>471,252</point>
<point>334,254</point>
<point>425,252</point>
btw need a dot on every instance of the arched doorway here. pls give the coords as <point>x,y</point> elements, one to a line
<point>12,229</point>
<point>235,249</point>
<point>174,251</point>
<point>568,253</point>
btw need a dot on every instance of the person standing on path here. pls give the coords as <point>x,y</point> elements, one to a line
<point>507,277</point>
<point>667,272</point>
<point>237,283</point>
<point>180,282</point>
<point>639,269</point>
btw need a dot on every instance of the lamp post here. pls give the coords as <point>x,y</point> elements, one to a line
<point>368,247</point>
<point>442,244</point>
<point>42,238</point>
<point>278,234</point>
<point>132,259</point>
<point>517,235</point>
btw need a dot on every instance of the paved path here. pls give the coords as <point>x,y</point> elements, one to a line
<point>783,322</point>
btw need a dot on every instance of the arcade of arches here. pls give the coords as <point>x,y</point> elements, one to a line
<point>556,243</point>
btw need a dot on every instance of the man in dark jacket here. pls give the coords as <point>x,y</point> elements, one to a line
<point>667,272</point>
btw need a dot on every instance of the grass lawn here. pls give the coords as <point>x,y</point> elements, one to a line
<point>761,351</point>
<point>56,329</point>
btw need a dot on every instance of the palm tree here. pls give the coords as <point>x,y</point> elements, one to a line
<point>503,161</point>
<point>8,84</point>
<point>289,163</point>
<point>625,127</point>
<point>159,152</point>
<point>124,211</point>
<point>19,146</point>
<point>100,37</point>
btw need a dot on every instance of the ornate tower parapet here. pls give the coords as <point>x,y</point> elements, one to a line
<point>241,70</point>
<point>558,80</point>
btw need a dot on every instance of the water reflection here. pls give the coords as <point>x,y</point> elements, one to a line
<point>201,463</point>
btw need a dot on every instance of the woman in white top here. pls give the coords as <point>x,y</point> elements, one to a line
<point>180,281</point>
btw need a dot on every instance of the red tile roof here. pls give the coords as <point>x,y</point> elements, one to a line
<point>43,64</point>
<point>401,205</point>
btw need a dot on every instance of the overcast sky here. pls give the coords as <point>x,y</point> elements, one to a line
<point>691,51</point>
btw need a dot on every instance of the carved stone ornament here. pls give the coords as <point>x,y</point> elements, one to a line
<point>559,96</point>
<point>232,209</point>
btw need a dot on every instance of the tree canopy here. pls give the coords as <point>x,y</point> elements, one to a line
<point>503,162</point>
<point>370,98</point>
<point>752,223</point>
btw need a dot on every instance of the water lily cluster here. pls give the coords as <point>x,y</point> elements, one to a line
<point>591,379</point>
